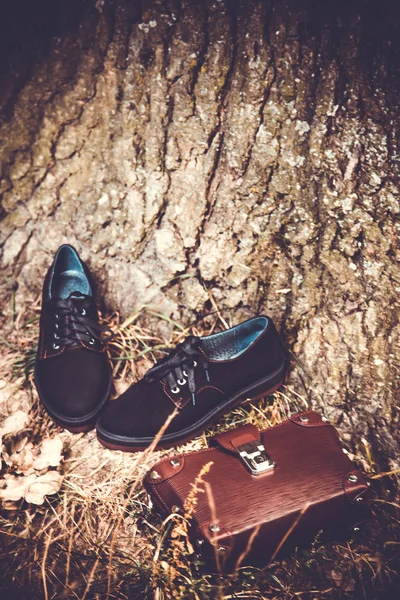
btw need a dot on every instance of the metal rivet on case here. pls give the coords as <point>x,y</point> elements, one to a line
<point>222,549</point>
<point>175,508</point>
<point>154,475</point>
<point>214,527</point>
<point>352,478</point>
<point>304,419</point>
<point>175,463</point>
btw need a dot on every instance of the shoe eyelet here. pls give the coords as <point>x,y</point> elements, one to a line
<point>91,341</point>
<point>181,381</point>
<point>56,325</point>
<point>83,312</point>
<point>175,390</point>
<point>184,372</point>
<point>57,316</point>
<point>194,364</point>
<point>56,346</point>
<point>56,337</point>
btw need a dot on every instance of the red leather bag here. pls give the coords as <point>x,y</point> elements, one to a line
<point>264,491</point>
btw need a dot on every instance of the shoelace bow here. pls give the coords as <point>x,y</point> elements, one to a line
<point>73,324</point>
<point>178,367</point>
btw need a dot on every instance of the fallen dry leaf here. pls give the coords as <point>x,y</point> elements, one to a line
<point>15,487</point>
<point>21,461</point>
<point>20,443</point>
<point>45,485</point>
<point>9,505</point>
<point>50,454</point>
<point>14,423</point>
<point>32,488</point>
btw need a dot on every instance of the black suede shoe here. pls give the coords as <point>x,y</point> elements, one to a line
<point>72,374</point>
<point>204,377</point>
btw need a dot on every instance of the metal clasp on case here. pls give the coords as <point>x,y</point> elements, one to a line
<point>256,458</point>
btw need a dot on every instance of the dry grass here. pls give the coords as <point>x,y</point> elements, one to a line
<point>98,538</point>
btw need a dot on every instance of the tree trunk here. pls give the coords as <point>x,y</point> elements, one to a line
<point>243,150</point>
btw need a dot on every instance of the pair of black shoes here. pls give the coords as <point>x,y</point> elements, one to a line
<point>204,377</point>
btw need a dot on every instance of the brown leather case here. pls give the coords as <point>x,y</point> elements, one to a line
<point>305,485</point>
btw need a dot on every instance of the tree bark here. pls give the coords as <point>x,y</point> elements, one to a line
<point>247,150</point>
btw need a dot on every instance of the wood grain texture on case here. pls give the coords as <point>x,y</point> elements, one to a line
<point>312,475</point>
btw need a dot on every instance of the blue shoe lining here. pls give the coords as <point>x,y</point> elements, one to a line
<point>233,342</point>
